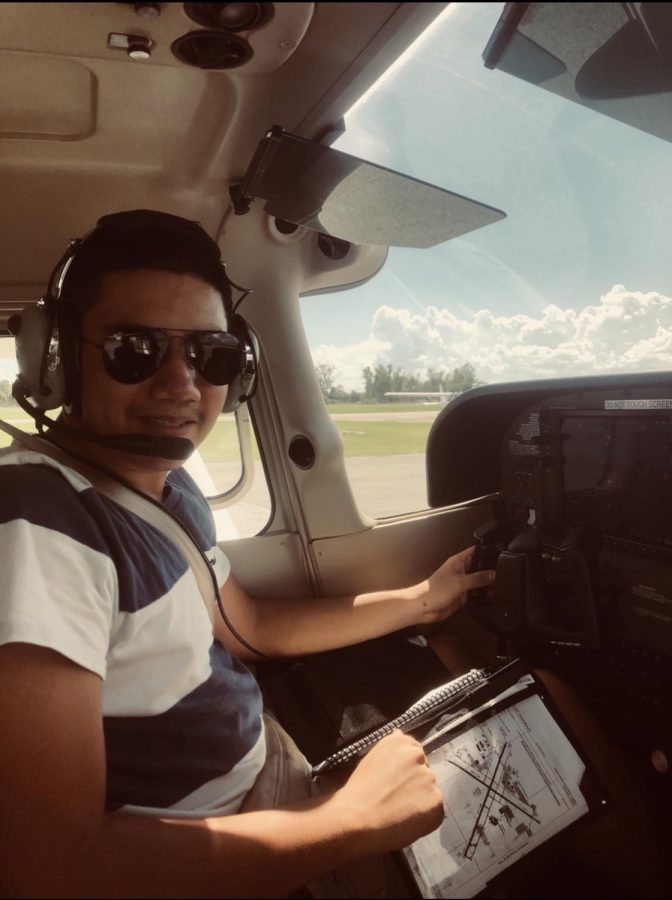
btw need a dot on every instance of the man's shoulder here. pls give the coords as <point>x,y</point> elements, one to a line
<point>43,492</point>
<point>33,471</point>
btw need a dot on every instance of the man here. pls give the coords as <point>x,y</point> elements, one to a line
<point>132,735</point>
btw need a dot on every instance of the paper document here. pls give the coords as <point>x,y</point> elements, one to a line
<point>509,784</point>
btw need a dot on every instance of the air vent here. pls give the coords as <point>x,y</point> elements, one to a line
<point>231,17</point>
<point>302,452</point>
<point>333,247</point>
<point>211,49</point>
<point>285,227</point>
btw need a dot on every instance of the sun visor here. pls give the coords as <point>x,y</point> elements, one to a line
<point>614,58</point>
<point>311,184</point>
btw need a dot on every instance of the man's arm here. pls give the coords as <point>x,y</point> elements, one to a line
<point>293,627</point>
<point>57,840</point>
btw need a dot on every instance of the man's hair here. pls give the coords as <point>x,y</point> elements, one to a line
<point>132,240</point>
<point>128,241</point>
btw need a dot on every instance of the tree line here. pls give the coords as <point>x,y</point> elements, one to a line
<point>384,378</point>
<point>377,382</point>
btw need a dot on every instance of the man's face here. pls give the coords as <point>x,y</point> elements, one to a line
<point>175,401</point>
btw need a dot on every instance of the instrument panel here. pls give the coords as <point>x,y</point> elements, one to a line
<point>581,539</point>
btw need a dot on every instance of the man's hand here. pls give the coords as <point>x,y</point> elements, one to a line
<point>445,591</point>
<point>392,796</point>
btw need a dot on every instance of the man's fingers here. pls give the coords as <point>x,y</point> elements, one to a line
<point>464,557</point>
<point>477,579</point>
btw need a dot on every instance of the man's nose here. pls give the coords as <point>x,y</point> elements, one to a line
<point>176,376</point>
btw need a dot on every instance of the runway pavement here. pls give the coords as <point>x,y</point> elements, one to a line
<point>382,485</point>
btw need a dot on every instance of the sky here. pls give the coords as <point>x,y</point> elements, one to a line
<point>577,280</point>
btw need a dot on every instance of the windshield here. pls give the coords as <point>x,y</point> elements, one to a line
<point>576,279</point>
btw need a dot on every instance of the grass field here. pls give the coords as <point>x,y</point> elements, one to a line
<point>382,438</point>
<point>360,438</point>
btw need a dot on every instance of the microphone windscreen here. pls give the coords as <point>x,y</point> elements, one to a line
<point>146,445</point>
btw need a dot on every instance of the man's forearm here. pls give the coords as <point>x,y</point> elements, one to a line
<point>279,627</point>
<point>254,854</point>
<point>296,627</point>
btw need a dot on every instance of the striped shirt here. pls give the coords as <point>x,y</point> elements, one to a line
<point>87,578</point>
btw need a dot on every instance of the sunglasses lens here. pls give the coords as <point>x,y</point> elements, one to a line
<point>219,358</point>
<point>131,356</point>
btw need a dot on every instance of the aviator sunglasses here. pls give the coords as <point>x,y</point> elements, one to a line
<point>131,355</point>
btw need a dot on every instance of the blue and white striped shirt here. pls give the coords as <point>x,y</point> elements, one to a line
<point>87,578</point>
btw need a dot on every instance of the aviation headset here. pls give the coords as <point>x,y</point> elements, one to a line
<point>48,333</point>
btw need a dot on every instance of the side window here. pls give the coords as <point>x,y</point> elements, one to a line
<point>217,466</point>
<point>220,464</point>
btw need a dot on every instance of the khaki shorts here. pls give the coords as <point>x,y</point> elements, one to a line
<point>285,779</point>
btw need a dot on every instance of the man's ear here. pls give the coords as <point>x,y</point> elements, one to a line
<point>245,383</point>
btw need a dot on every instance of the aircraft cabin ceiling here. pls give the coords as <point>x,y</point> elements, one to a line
<point>98,113</point>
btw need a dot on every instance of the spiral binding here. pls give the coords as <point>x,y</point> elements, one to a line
<point>426,706</point>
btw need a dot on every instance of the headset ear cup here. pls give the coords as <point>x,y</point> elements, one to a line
<point>33,339</point>
<point>243,386</point>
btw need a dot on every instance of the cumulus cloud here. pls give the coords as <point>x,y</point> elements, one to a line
<point>625,331</point>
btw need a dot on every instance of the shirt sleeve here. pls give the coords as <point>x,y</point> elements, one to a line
<point>59,584</point>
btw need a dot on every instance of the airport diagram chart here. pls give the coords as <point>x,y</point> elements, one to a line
<point>509,783</point>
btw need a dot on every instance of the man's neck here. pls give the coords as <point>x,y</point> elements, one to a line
<point>129,467</point>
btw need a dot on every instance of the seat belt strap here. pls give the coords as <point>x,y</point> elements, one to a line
<point>135,502</point>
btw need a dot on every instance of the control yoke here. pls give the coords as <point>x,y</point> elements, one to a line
<point>543,588</point>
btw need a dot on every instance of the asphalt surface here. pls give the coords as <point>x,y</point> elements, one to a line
<point>382,485</point>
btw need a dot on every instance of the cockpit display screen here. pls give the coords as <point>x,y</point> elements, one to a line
<point>587,491</point>
<point>617,474</point>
